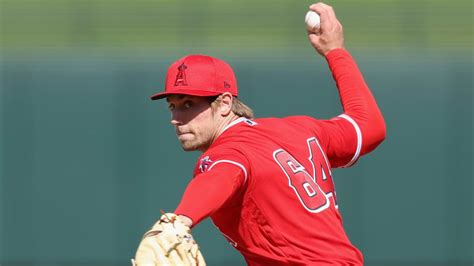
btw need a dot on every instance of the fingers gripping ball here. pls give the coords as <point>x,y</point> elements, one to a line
<point>169,242</point>
<point>313,22</point>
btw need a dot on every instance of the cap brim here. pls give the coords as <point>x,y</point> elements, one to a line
<point>193,92</point>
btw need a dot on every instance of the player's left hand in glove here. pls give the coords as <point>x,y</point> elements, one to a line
<point>169,242</point>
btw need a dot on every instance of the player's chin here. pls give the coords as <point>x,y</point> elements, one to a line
<point>185,148</point>
<point>188,145</point>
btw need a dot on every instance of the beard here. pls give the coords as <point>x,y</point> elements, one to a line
<point>189,145</point>
<point>194,144</point>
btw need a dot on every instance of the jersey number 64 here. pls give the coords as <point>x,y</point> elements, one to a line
<point>313,190</point>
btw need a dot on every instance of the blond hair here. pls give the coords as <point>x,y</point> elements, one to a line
<point>238,107</point>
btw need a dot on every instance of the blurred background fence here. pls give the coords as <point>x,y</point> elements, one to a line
<point>87,160</point>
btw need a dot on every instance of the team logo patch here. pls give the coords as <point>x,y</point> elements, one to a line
<point>181,77</point>
<point>226,85</point>
<point>205,163</point>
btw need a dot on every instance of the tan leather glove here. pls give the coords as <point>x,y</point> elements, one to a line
<point>169,242</point>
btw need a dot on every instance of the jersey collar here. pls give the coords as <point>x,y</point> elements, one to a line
<point>233,123</point>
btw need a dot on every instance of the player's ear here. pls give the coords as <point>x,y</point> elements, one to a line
<point>225,105</point>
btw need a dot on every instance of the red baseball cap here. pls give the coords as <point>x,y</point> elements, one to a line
<point>199,75</point>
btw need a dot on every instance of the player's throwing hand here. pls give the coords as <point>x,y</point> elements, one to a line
<point>331,35</point>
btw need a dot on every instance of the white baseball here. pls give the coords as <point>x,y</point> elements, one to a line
<point>312,21</point>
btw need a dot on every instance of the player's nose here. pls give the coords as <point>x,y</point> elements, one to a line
<point>175,120</point>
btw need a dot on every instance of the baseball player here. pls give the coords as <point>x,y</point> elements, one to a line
<point>266,183</point>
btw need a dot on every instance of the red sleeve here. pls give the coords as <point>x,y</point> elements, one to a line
<point>210,190</point>
<point>361,128</point>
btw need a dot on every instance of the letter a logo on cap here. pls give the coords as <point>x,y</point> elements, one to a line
<point>181,77</point>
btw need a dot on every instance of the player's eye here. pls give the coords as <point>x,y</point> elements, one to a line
<point>171,107</point>
<point>188,104</point>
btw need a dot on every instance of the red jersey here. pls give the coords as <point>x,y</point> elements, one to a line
<point>267,183</point>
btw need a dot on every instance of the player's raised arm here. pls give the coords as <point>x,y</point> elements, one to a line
<point>330,35</point>
<point>360,108</point>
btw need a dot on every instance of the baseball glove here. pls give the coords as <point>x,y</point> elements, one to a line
<point>169,242</point>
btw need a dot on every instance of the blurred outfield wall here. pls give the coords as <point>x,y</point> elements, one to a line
<point>87,160</point>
